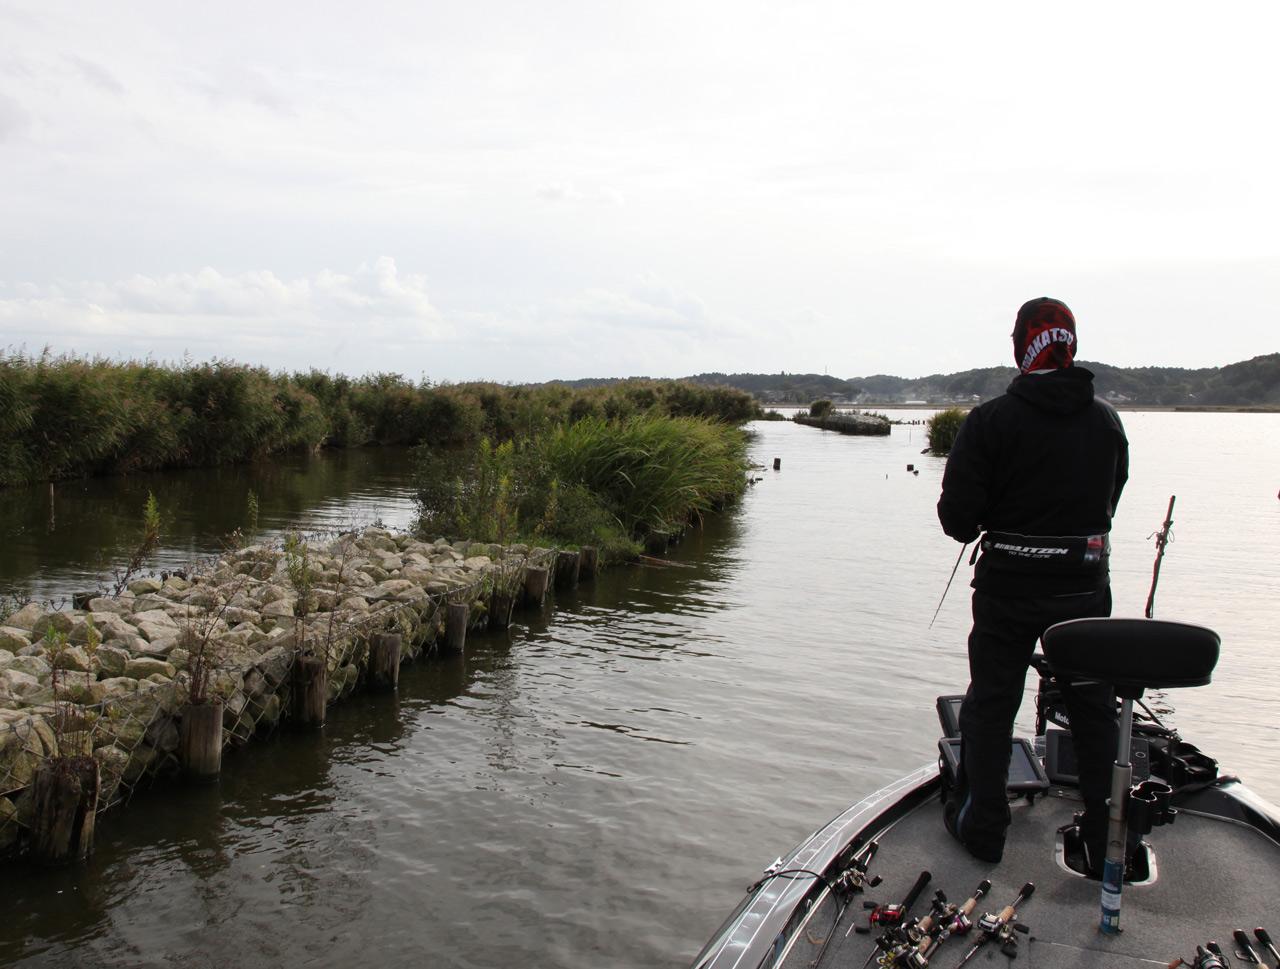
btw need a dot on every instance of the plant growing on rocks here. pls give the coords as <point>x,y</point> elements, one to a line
<point>147,543</point>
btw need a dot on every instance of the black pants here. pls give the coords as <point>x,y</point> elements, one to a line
<point>1005,633</point>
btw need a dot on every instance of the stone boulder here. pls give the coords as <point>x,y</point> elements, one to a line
<point>121,607</point>
<point>13,639</point>
<point>37,666</point>
<point>143,586</point>
<point>25,618</point>
<point>143,667</point>
<point>112,660</point>
<point>56,622</point>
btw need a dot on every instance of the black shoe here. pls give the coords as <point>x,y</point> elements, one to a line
<point>983,852</point>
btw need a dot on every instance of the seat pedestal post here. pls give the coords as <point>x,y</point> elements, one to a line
<point>1117,824</point>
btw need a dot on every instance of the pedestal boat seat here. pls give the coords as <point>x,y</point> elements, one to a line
<point>1133,655</point>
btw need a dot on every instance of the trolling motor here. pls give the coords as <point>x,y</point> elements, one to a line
<point>1132,655</point>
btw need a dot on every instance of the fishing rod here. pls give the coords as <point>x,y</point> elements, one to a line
<point>1242,943</point>
<point>954,568</point>
<point>893,915</point>
<point>956,921</point>
<point>1264,937</point>
<point>1001,926</point>
<point>1163,537</point>
<point>897,939</point>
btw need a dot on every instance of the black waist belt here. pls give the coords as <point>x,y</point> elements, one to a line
<point>1051,552</point>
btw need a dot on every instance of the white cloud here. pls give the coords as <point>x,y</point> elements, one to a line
<point>12,118</point>
<point>167,315</point>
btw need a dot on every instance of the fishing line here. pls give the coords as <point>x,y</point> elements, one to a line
<point>954,568</point>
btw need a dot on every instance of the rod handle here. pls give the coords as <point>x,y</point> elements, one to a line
<point>916,889</point>
<point>1263,936</point>
<point>972,903</point>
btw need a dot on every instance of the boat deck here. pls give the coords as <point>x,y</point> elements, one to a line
<point>1212,876</point>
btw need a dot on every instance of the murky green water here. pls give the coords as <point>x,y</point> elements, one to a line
<point>598,787</point>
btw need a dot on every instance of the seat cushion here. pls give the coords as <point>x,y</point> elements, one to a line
<point>1132,653</point>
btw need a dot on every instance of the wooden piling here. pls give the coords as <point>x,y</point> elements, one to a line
<point>200,741</point>
<point>455,627</point>
<point>384,660</point>
<point>500,604</point>
<point>567,569</point>
<point>64,806</point>
<point>535,587</point>
<point>310,691</point>
<point>777,464</point>
<point>588,557</point>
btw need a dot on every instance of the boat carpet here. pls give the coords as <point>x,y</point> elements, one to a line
<point>1213,876</point>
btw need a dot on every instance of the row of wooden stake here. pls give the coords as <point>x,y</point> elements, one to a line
<point>65,789</point>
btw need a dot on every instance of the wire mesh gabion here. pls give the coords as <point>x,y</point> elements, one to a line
<point>235,636</point>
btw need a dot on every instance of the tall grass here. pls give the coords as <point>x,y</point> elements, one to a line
<point>595,481</point>
<point>652,473</point>
<point>943,428</point>
<point>65,416</point>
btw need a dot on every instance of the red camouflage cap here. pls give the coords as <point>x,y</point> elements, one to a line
<point>1044,335</point>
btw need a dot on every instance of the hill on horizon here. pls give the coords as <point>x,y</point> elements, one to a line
<point>1249,383</point>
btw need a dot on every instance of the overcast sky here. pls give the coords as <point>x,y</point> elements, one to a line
<point>522,191</point>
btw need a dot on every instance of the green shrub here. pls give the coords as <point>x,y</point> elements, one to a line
<point>943,428</point>
<point>820,408</point>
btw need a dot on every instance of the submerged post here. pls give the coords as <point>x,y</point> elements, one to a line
<point>587,560</point>
<point>64,804</point>
<point>535,587</point>
<point>310,690</point>
<point>200,741</point>
<point>384,660</point>
<point>455,627</point>
<point>567,568</point>
<point>500,605</point>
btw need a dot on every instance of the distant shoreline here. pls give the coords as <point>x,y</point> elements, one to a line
<point>1188,408</point>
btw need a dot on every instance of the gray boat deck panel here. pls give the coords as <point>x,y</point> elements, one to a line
<point>1213,876</point>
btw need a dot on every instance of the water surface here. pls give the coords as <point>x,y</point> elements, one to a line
<point>598,787</point>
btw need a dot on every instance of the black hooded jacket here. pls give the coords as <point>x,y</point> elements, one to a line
<point>1045,459</point>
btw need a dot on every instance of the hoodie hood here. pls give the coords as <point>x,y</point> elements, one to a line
<point>1058,391</point>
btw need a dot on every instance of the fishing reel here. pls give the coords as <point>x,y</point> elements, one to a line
<point>1005,934</point>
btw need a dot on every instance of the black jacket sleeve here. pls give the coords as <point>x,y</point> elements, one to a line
<point>966,482</point>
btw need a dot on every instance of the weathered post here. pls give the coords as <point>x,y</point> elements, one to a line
<point>777,464</point>
<point>310,690</point>
<point>64,804</point>
<point>567,567</point>
<point>535,587</point>
<point>200,741</point>
<point>500,604</point>
<point>588,556</point>
<point>384,660</point>
<point>455,627</point>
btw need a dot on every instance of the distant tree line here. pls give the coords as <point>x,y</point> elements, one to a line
<point>1250,383</point>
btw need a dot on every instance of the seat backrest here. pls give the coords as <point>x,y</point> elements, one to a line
<point>1132,653</point>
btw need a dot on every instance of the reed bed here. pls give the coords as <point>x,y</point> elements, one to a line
<point>595,481</point>
<point>67,416</point>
